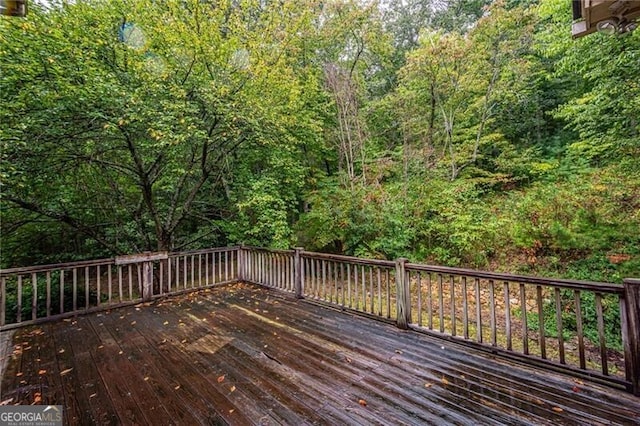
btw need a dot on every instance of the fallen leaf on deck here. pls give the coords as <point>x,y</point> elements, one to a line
<point>41,372</point>
<point>120,353</point>
<point>6,401</point>
<point>232,410</point>
<point>576,389</point>
<point>67,371</point>
<point>61,351</point>
<point>93,395</point>
<point>348,360</point>
<point>133,323</point>
<point>19,374</point>
<point>176,387</point>
<point>37,398</point>
<point>428,385</point>
<point>362,402</point>
<point>146,379</point>
<point>398,351</point>
<point>233,388</point>
<point>221,379</point>
<point>578,381</point>
<point>165,323</point>
<point>444,381</point>
<point>101,346</point>
<point>183,341</point>
<point>557,409</point>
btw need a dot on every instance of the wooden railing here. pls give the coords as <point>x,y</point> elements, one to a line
<point>557,324</point>
<point>40,293</point>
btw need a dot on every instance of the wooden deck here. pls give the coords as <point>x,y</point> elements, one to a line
<point>241,354</point>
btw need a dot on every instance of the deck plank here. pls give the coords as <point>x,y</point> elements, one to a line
<point>244,355</point>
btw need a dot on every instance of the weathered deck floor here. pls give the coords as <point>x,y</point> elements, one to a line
<point>243,355</point>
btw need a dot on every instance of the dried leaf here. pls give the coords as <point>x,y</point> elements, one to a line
<point>444,381</point>
<point>20,374</point>
<point>176,387</point>
<point>349,360</point>
<point>120,353</point>
<point>41,372</point>
<point>557,409</point>
<point>146,379</point>
<point>576,389</point>
<point>37,398</point>
<point>93,395</point>
<point>362,402</point>
<point>165,323</point>
<point>133,323</point>
<point>221,379</point>
<point>183,341</point>
<point>398,351</point>
<point>232,410</point>
<point>6,401</point>
<point>61,351</point>
<point>428,385</point>
<point>65,372</point>
<point>233,388</point>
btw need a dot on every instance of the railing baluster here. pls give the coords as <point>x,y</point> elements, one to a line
<point>87,293</point>
<point>601,335</point>
<point>3,301</point>
<point>193,271</point>
<point>109,281</point>
<point>541,339</point>
<point>441,303</point>
<point>364,289</point>
<point>479,338</point>
<point>525,327</point>
<point>199,270</point>
<point>342,283</point>
<point>120,295</point>
<point>98,295</point>
<point>19,300</point>
<point>48,293</point>
<point>430,300</point>
<point>559,325</point>
<point>379,274</point>
<point>184,272</point>
<point>349,284</point>
<point>62,291</point>
<point>579,331</point>
<point>371,293</point>
<point>507,314</point>
<point>226,265</point>
<point>34,298</point>
<point>453,305</point>
<point>492,313</point>
<point>419,288</point>
<point>388,278</point>
<point>130,275</point>
<point>324,278</point>
<point>75,289</point>
<point>465,309</point>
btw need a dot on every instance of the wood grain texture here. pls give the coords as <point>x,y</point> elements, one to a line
<point>241,354</point>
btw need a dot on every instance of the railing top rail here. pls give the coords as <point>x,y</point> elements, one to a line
<point>278,251</point>
<point>495,276</point>
<point>55,266</point>
<point>350,259</point>
<point>202,251</point>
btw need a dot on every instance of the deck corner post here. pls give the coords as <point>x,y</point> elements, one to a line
<point>631,332</point>
<point>297,276</point>
<point>147,280</point>
<point>403,295</point>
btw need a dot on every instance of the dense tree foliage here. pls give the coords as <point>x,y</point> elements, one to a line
<point>470,133</point>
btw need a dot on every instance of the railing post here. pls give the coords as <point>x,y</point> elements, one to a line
<point>297,275</point>
<point>147,280</point>
<point>631,332</point>
<point>403,295</point>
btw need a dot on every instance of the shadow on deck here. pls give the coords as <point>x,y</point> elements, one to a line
<point>241,354</point>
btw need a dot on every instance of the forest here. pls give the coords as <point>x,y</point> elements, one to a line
<point>469,133</point>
